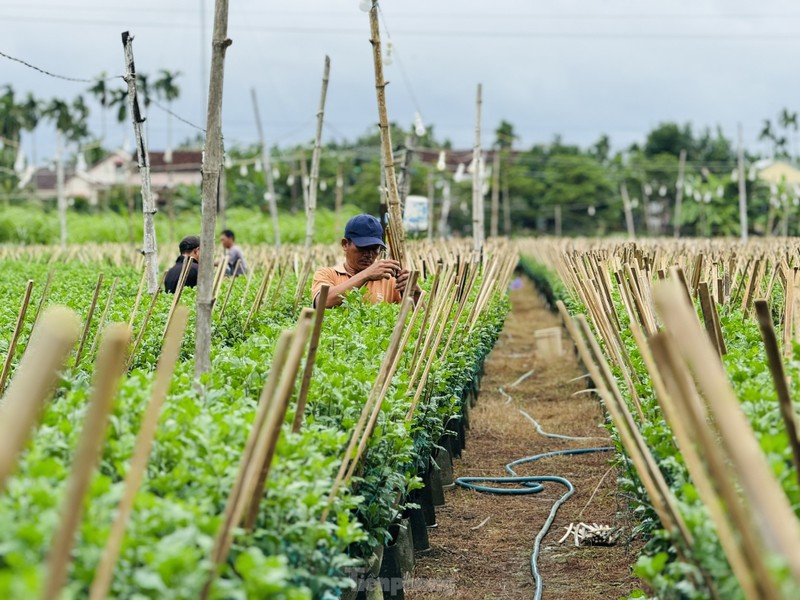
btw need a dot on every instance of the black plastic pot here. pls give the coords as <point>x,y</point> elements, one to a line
<point>391,575</point>
<point>445,464</point>
<point>455,441</point>
<point>433,480</point>
<point>462,434</point>
<point>425,500</point>
<point>368,581</point>
<point>418,529</point>
<point>466,410</point>
<point>405,548</point>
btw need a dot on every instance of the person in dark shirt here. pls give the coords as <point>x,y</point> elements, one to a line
<point>236,265</point>
<point>190,250</point>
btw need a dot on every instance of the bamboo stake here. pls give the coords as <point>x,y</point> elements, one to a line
<point>150,250</point>
<point>212,165</point>
<point>477,183</point>
<point>777,525</point>
<point>395,226</point>
<point>388,360</point>
<point>104,316</point>
<point>42,300</point>
<point>12,345</point>
<point>138,299</point>
<point>272,199</point>
<point>141,453</point>
<point>315,158</point>
<point>779,378</point>
<point>33,382</point>
<point>108,370</point>
<point>260,466</point>
<point>685,414</point>
<point>89,319</point>
<point>145,322</point>
<point>319,315</point>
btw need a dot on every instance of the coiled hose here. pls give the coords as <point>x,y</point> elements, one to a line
<point>532,484</point>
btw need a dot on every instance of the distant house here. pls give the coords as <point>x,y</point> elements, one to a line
<point>777,171</point>
<point>120,168</point>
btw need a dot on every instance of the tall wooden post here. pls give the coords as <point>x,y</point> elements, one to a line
<point>626,205</point>
<point>495,217</point>
<point>557,216</point>
<point>337,206</point>
<point>143,158</point>
<point>477,184</point>
<point>646,207</point>
<point>395,226</point>
<point>445,209</point>
<point>742,190</point>
<point>679,194</point>
<point>211,173</point>
<point>61,198</point>
<point>266,160</point>
<point>506,208</point>
<point>431,193</point>
<point>311,209</point>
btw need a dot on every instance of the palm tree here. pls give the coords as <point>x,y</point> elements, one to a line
<point>102,94</point>
<point>166,90</point>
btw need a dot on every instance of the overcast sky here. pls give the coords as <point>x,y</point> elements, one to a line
<point>579,68</point>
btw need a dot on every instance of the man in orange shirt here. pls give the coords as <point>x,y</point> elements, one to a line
<point>362,244</point>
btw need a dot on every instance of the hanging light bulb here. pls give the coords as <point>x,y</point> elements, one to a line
<point>591,211</point>
<point>440,164</point>
<point>365,5</point>
<point>471,167</point>
<point>228,162</point>
<point>635,203</point>
<point>735,175</point>
<point>720,192</point>
<point>459,176</point>
<point>276,173</point>
<point>290,180</point>
<point>707,197</point>
<point>697,197</point>
<point>688,190</point>
<point>19,163</point>
<point>323,185</point>
<point>267,196</point>
<point>80,163</point>
<point>26,177</point>
<point>340,182</point>
<point>662,191</point>
<point>258,167</point>
<point>419,126</point>
<point>387,58</point>
<point>751,174</point>
<point>773,189</point>
<point>648,190</point>
<point>243,170</point>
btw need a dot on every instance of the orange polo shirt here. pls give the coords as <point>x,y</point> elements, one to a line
<point>382,290</point>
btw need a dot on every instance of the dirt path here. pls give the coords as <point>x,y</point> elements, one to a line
<point>493,561</point>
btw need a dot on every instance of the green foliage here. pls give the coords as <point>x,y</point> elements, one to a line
<point>290,554</point>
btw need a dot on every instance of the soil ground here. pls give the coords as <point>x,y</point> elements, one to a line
<point>475,558</point>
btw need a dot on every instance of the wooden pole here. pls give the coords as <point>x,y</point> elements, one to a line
<point>61,197</point>
<point>211,172</point>
<point>89,319</point>
<point>626,206</point>
<point>495,217</point>
<point>676,227</point>
<point>33,381</point>
<point>12,345</point>
<point>104,315</point>
<point>742,190</point>
<point>477,183</point>
<point>431,194</point>
<point>141,453</point>
<point>315,158</point>
<point>445,209</point>
<point>557,211</point>
<point>107,375</point>
<point>150,251</point>
<point>779,378</point>
<point>395,226</point>
<point>308,369</point>
<point>337,207</point>
<point>506,208</point>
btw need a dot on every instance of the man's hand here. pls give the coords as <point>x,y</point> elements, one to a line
<point>381,269</point>
<point>402,280</point>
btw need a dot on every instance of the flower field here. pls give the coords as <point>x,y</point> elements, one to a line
<point>388,383</point>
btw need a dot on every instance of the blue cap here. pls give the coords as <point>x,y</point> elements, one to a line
<point>364,230</point>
